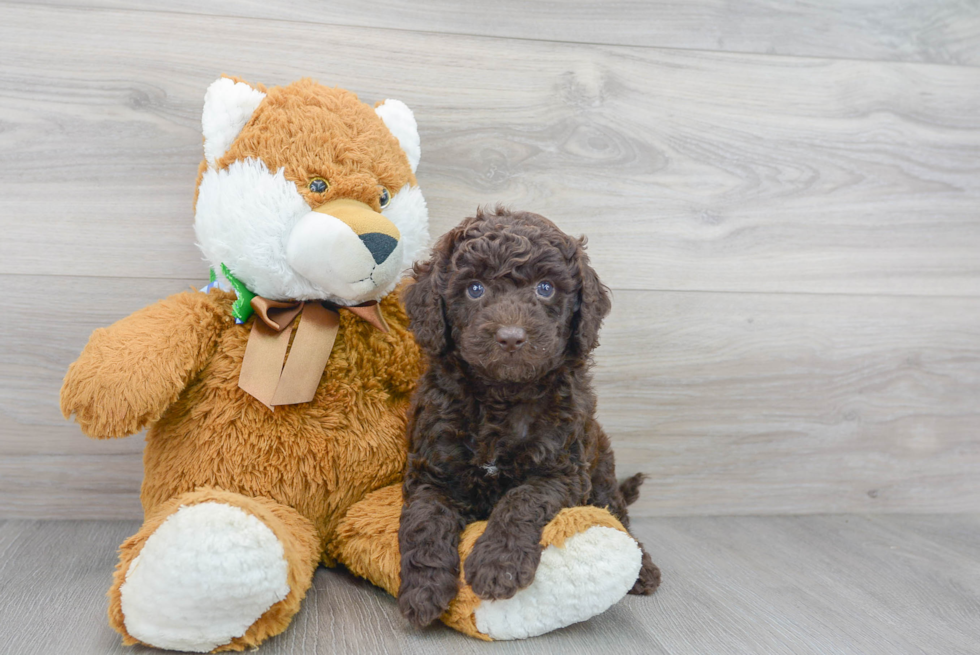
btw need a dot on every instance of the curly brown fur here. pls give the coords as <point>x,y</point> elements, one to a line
<point>501,429</point>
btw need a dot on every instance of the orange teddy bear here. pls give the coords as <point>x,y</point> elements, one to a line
<point>276,399</point>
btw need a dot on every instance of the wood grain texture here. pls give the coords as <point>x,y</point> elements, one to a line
<point>793,242</point>
<point>50,320</point>
<point>733,403</point>
<point>103,486</point>
<point>767,585</point>
<point>938,31</point>
<point>742,403</point>
<point>690,170</point>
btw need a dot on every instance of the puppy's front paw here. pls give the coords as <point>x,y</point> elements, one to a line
<point>425,595</point>
<point>495,571</point>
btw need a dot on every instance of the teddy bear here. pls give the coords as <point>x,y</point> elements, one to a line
<point>275,397</point>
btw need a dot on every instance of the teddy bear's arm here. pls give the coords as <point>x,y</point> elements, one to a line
<point>130,372</point>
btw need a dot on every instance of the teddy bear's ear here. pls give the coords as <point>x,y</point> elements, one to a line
<point>227,107</point>
<point>401,122</point>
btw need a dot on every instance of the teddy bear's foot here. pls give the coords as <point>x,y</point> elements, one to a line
<point>589,563</point>
<point>573,583</point>
<point>203,577</point>
<point>216,572</point>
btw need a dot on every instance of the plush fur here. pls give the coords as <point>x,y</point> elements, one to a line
<point>173,368</point>
<point>241,503</point>
<point>227,107</point>
<point>207,435</point>
<point>300,547</point>
<point>401,123</point>
<point>587,574</point>
<point>254,208</point>
<point>571,584</point>
<point>183,584</point>
<point>502,429</point>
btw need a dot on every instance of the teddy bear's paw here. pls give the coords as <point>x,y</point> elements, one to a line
<point>202,578</point>
<point>588,574</point>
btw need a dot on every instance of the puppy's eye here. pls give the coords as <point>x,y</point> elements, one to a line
<point>385,197</point>
<point>319,185</point>
<point>545,289</point>
<point>475,290</point>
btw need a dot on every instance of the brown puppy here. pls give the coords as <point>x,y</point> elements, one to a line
<point>502,427</point>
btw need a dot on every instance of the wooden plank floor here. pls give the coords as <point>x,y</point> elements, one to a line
<point>818,584</point>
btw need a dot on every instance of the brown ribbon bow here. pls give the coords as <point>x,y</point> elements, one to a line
<point>263,374</point>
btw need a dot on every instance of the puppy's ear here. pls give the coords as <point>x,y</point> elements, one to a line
<point>593,305</point>
<point>425,307</point>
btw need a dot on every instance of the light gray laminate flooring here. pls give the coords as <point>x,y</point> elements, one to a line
<point>812,584</point>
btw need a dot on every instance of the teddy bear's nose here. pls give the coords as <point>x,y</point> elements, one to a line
<point>379,245</point>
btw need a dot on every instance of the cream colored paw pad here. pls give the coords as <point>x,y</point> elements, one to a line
<point>206,575</point>
<point>593,571</point>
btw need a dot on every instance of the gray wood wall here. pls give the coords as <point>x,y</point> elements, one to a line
<point>784,197</point>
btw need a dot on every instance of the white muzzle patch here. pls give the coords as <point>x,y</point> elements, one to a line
<point>257,223</point>
<point>328,253</point>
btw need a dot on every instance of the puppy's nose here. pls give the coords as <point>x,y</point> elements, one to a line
<point>511,337</point>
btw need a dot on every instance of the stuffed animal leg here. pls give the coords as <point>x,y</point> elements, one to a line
<point>133,370</point>
<point>212,570</point>
<point>589,562</point>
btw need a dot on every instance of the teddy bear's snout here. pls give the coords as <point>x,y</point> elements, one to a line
<point>346,248</point>
<point>377,233</point>
<point>366,223</point>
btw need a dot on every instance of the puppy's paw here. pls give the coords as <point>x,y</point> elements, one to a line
<point>649,578</point>
<point>426,595</point>
<point>495,571</point>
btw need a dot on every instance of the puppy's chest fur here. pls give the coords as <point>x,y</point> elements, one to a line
<point>505,445</point>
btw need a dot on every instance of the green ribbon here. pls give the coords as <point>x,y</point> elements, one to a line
<point>242,308</point>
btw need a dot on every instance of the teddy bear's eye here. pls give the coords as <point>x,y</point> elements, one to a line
<point>385,197</point>
<point>475,290</point>
<point>545,289</point>
<point>319,185</point>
